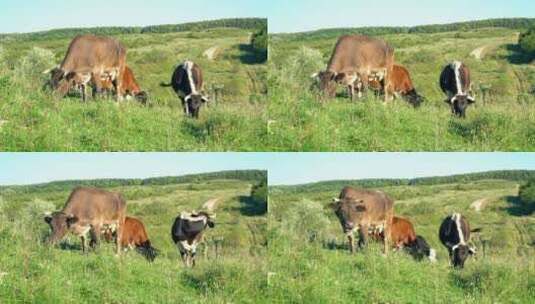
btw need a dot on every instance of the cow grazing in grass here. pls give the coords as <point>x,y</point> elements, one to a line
<point>359,209</point>
<point>357,56</point>
<point>134,237</point>
<point>130,87</point>
<point>400,85</point>
<point>85,213</point>
<point>187,232</point>
<point>454,233</point>
<point>89,57</point>
<point>455,83</point>
<point>402,236</point>
<point>187,82</point>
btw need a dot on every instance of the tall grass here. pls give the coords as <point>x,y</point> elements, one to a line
<point>310,261</point>
<point>231,266</point>
<point>502,118</point>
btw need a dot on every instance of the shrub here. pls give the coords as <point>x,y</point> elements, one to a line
<point>259,42</point>
<point>527,41</point>
<point>527,194</point>
<point>30,67</point>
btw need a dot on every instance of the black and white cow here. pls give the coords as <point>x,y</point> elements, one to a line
<point>454,233</point>
<point>455,83</point>
<point>187,82</point>
<point>187,232</point>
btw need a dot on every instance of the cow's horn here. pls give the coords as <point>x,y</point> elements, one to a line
<point>472,99</point>
<point>187,98</point>
<point>452,100</point>
<point>336,200</point>
<point>314,75</point>
<point>205,99</point>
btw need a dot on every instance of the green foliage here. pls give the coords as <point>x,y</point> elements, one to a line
<point>502,85</point>
<point>527,193</point>
<point>259,42</point>
<point>33,272</point>
<point>34,120</point>
<point>259,194</point>
<point>527,41</point>
<point>310,262</point>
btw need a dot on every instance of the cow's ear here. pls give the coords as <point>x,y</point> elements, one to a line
<point>211,224</point>
<point>315,75</point>
<point>472,250</point>
<point>339,77</point>
<point>71,219</point>
<point>204,99</point>
<point>471,99</point>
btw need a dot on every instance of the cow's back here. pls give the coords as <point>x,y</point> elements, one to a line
<point>357,52</point>
<point>402,232</point>
<point>87,51</point>
<point>378,204</point>
<point>401,79</point>
<point>134,232</point>
<point>90,203</point>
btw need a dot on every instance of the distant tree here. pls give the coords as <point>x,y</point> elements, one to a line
<point>527,41</point>
<point>259,42</point>
<point>527,194</point>
<point>259,194</point>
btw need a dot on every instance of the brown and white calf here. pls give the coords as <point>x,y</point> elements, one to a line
<point>187,232</point>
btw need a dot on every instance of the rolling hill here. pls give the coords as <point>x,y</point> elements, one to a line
<point>503,80</point>
<point>307,233</point>
<point>31,119</point>
<point>231,266</point>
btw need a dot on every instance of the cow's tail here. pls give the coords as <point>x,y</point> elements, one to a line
<point>148,251</point>
<point>163,84</point>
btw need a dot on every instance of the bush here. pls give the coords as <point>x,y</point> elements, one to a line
<point>527,41</point>
<point>300,65</point>
<point>527,193</point>
<point>31,66</point>
<point>306,221</point>
<point>259,42</point>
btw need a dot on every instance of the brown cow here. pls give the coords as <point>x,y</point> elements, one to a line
<point>134,236</point>
<point>89,57</point>
<point>360,209</point>
<point>400,85</point>
<point>86,211</point>
<point>358,54</point>
<point>130,86</point>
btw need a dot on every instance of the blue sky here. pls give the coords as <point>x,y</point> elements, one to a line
<point>284,168</point>
<point>284,15</point>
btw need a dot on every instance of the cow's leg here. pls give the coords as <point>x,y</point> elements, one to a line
<point>351,91</point>
<point>387,85</point>
<point>193,259</point>
<point>351,242</point>
<point>83,238</point>
<point>363,236</point>
<point>119,86</point>
<point>359,89</point>
<point>97,82</point>
<point>82,88</point>
<point>119,237</point>
<point>387,237</point>
<point>95,235</point>
<point>364,79</point>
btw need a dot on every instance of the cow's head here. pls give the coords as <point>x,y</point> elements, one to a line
<point>460,253</point>
<point>349,212</point>
<point>420,249</point>
<point>459,103</point>
<point>414,98</point>
<point>193,102</point>
<point>141,97</point>
<point>59,223</point>
<point>327,83</point>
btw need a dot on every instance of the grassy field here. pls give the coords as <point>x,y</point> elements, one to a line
<point>503,79</point>
<point>235,271</point>
<point>310,262</point>
<point>31,119</point>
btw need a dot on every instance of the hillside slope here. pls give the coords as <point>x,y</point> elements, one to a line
<point>34,120</point>
<point>502,81</point>
<point>231,266</point>
<point>303,230</point>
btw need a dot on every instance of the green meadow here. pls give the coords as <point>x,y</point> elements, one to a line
<point>231,265</point>
<point>310,261</point>
<point>503,79</point>
<point>32,119</point>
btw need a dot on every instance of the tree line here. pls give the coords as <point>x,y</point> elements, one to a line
<point>254,24</point>
<point>255,176</point>
<point>512,175</point>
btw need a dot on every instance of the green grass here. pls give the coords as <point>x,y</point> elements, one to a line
<point>33,120</point>
<point>236,272</point>
<point>502,118</point>
<point>307,233</point>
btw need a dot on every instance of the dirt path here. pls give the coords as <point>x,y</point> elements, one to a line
<point>478,53</point>
<point>210,204</point>
<point>480,204</point>
<point>211,53</point>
